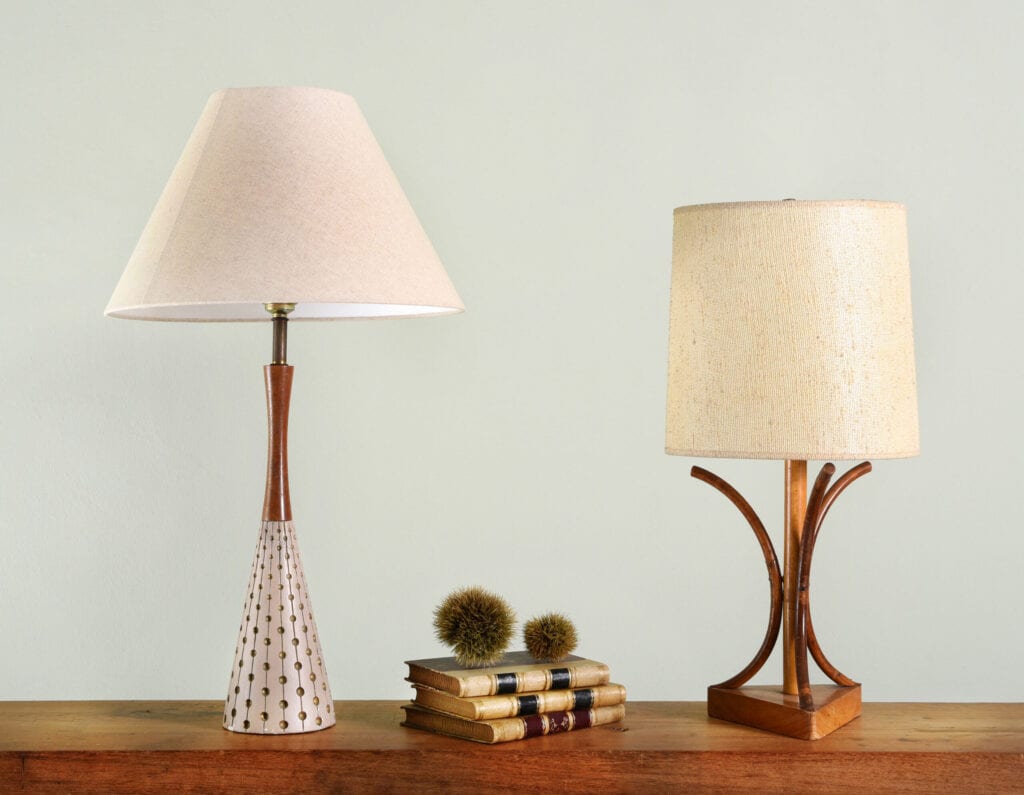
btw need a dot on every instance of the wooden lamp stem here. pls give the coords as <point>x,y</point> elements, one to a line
<point>277,506</point>
<point>796,509</point>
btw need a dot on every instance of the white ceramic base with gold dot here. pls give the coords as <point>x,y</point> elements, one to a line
<point>278,681</point>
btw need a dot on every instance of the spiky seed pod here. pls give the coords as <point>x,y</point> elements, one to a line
<point>477,624</point>
<point>550,637</point>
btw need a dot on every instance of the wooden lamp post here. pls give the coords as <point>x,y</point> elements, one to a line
<point>791,338</point>
<point>282,207</point>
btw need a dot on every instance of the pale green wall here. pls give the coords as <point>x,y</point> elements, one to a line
<point>518,446</point>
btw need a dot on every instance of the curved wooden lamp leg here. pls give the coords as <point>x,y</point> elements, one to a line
<point>813,646</point>
<point>774,576</point>
<point>820,503</point>
<point>814,505</point>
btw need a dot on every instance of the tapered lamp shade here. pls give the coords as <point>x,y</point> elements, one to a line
<point>790,332</point>
<point>282,195</point>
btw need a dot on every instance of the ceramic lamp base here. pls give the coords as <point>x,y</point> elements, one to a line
<point>278,680</point>
<point>770,709</point>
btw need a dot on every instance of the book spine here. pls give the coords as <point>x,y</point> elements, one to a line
<point>495,707</point>
<point>551,701</point>
<point>555,722</point>
<point>533,680</point>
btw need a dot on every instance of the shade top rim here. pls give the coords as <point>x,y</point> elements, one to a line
<point>789,203</point>
<point>319,89</point>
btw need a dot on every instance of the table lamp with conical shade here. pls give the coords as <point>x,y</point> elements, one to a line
<point>282,207</point>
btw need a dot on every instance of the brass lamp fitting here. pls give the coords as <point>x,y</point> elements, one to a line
<point>280,319</point>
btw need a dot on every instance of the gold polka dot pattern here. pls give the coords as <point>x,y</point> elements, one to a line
<point>278,680</point>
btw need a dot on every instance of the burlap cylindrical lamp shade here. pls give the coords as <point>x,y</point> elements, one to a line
<point>790,333</point>
<point>282,195</point>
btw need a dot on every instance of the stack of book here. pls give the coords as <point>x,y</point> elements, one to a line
<point>516,698</point>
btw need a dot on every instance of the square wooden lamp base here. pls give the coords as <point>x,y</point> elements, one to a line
<point>768,708</point>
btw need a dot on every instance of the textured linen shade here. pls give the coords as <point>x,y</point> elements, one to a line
<point>255,214</point>
<point>790,333</point>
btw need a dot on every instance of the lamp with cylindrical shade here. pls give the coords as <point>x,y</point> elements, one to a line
<point>282,206</point>
<point>791,338</point>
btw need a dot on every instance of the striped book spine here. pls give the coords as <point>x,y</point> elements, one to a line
<point>516,672</point>
<point>509,729</point>
<point>507,706</point>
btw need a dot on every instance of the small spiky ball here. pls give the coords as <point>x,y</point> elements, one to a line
<point>477,624</point>
<point>550,637</point>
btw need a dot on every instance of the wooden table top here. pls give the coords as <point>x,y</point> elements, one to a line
<point>153,746</point>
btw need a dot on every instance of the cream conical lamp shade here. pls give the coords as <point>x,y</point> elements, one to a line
<point>790,333</point>
<point>255,214</point>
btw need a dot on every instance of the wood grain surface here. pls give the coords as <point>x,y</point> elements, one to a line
<point>770,709</point>
<point>178,746</point>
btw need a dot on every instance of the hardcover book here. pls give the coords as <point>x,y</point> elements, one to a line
<point>505,730</point>
<point>516,672</point>
<point>492,707</point>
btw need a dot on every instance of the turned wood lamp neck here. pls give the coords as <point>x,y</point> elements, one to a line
<point>277,506</point>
